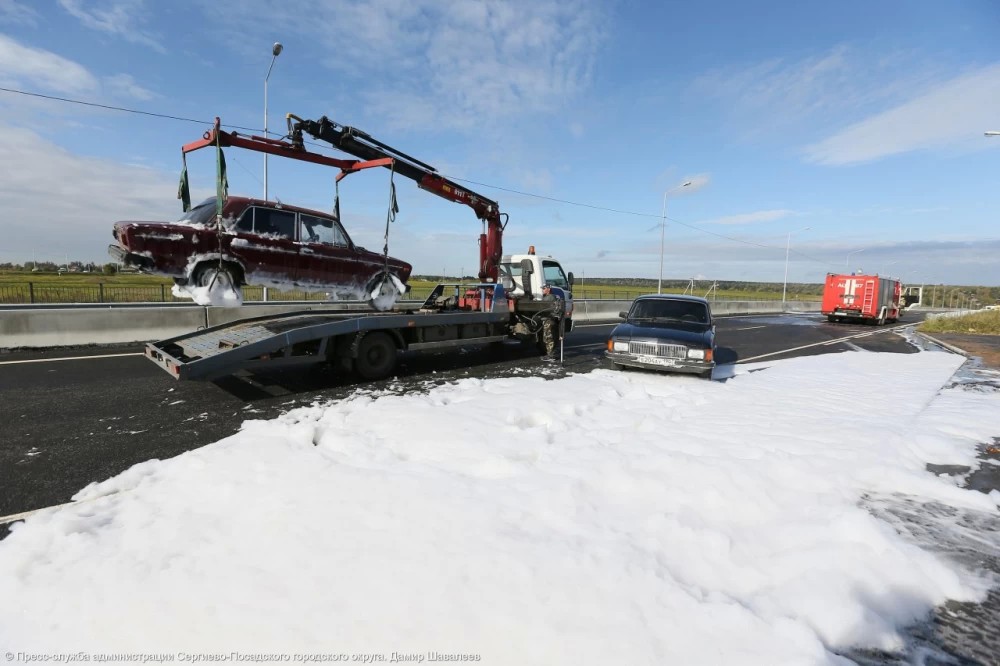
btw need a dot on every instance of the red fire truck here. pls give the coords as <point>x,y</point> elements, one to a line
<point>870,299</point>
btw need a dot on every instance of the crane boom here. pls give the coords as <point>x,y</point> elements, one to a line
<point>360,144</point>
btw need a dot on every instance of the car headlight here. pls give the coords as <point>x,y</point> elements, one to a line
<point>697,353</point>
<point>614,344</point>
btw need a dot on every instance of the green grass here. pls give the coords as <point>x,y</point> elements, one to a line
<point>986,322</point>
<point>135,287</point>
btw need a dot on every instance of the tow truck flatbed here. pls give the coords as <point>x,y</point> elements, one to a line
<point>310,337</point>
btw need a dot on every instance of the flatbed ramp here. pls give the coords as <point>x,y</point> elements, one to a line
<point>302,338</point>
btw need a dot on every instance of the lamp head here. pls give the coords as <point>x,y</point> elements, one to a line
<point>276,49</point>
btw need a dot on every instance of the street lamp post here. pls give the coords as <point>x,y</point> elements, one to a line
<point>848,266</point>
<point>788,245</point>
<point>275,52</point>
<point>663,226</point>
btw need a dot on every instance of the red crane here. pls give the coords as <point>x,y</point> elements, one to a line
<point>372,151</point>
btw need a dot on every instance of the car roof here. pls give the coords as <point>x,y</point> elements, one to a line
<point>672,297</point>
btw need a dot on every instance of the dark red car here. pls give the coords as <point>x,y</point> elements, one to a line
<point>259,242</point>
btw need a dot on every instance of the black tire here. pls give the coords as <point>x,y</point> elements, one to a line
<point>208,272</point>
<point>376,356</point>
<point>619,366</point>
<point>706,374</point>
<point>831,318</point>
<point>388,286</point>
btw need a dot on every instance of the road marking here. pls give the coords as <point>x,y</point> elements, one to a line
<point>68,358</point>
<point>827,342</point>
<point>749,328</point>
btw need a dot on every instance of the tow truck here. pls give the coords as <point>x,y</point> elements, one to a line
<point>527,297</point>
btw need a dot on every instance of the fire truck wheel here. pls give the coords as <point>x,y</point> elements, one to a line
<point>376,356</point>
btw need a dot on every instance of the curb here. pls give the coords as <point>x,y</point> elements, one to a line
<point>952,348</point>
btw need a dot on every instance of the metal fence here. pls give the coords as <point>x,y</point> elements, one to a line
<point>33,292</point>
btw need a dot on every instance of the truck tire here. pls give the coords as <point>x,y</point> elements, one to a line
<point>376,356</point>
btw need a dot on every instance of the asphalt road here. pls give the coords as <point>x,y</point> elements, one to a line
<point>71,417</point>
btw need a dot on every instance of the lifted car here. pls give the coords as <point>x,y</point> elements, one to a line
<point>666,332</point>
<point>259,242</point>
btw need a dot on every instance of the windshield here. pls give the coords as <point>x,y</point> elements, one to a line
<point>200,214</point>
<point>691,312</point>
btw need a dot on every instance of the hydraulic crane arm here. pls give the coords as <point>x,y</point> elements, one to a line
<point>360,144</point>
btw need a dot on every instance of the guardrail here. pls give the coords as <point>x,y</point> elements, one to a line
<point>30,293</point>
<point>41,325</point>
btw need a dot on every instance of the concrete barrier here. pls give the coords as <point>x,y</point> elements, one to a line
<point>93,326</point>
<point>27,326</point>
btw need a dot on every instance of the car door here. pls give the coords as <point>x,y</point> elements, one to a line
<point>265,243</point>
<point>330,260</point>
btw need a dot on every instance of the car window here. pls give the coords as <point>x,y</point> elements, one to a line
<point>315,229</point>
<point>200,214</point>
<point>691,311</point>
<point>245,223</point>
<point>554,275</point>
<point>267,221</point>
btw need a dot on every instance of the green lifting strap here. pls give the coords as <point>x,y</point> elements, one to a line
<point>221,180</point>
<point>183,191</point>
<point>390,215</point>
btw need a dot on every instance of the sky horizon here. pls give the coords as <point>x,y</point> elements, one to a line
<point>852,134</point>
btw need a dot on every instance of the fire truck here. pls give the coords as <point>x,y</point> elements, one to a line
<point>870,299</point>
<point>527,297</point>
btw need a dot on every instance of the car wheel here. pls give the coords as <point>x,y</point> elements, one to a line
<point>215,276</point>
<point>382,293</point>
<point>376,356</point>
<point>619,366</point>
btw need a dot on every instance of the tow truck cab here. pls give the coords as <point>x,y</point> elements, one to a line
<point>542,272</point>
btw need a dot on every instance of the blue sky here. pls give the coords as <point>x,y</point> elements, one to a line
<point>861,121</point>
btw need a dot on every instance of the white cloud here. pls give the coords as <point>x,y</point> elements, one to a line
<point>20,64</point>
<point>124,85</point>
<point>953,114</point>
<point>428,63</point>
<point>60,204</point>
<point>123,18</point>
<point>796,97</point>
<point>750,218</point>
<point>11,11</point>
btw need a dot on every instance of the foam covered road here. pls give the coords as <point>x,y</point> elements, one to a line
<point>67,423</point>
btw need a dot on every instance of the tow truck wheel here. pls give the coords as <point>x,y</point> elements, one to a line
<point>376,356</point>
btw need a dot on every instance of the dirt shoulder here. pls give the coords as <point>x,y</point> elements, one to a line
<point>986,347</point>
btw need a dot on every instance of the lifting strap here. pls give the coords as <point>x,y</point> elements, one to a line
<point>336,200</point>
<point>390,215</point>
<point>183,191</point>
<point>221,179</point>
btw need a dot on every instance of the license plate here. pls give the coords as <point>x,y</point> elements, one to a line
<point>655,360</point>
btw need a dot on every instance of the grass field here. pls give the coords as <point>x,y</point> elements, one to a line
<point>984,322</point>
<point>28,287</point>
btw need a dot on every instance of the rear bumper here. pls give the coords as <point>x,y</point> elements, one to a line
<point>688,365</point>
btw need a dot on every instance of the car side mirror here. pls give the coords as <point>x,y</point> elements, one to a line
<point>623,315</point>
<point>571,278</point>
